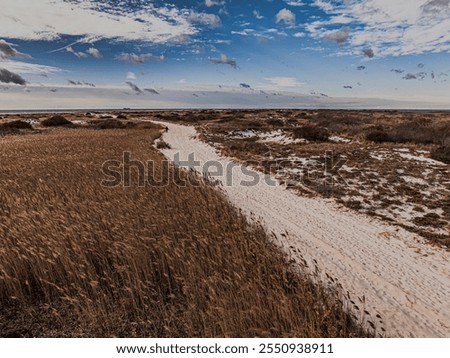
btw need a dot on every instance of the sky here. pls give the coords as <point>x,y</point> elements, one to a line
<point>224,53</point>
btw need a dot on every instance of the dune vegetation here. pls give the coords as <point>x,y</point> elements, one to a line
<point>78,259</point>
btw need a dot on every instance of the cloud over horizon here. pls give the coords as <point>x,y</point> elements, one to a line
<point>138,59</point>
<point>382,48</point>
<point>134,87</point>
<point>223,60</point>
<point>11,77</point>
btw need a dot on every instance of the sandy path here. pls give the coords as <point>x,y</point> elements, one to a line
<point>404,280</point>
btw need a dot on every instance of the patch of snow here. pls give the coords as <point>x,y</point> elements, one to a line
<point>379,155</point>
<point>279,137</point>
<point>339,139</point>
<point>247,133</point>
<point>79,122</point>
<point>31,121</point>
<point>421,158</point>
<point>414,180</point>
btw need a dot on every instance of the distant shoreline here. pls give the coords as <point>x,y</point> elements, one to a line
<point>102,110</point>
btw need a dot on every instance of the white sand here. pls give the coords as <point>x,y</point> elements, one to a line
<point>403,279</point>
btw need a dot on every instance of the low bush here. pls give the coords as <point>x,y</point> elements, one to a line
<point>56,121</point>
<point>378,136</point>
<point>18,124</point>
<point>414,131</point>
<point>111,124</point>
<point>442,154</point>
<point>311,133</point>
<point>275,122</point>
<point>163,145</point>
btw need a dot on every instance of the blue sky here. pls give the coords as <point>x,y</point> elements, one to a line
<point>141,53</point>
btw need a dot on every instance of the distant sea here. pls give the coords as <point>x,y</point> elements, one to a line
<point>102,110</point>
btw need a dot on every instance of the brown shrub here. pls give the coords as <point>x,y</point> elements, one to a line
<point>378,136</point>
<point>442,154</point>
<point>163,145</point>
<point>311,133</point>
<point>418,130</point>
<point>56,121</point>
<point>111,123</point>
<point>18,124</point>
<point>275,122</point>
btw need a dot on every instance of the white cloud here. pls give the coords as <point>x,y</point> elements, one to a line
<point>294,2</point>
<point>339,36</point>
<point>131,76</point>
<point>49,19</point>
<point>210,20</point>
<point>258,15</point>
<point>79,54</point>
<point>244,32</point>
<point>299,34</point>
<point>138,59</point>
<point>325,5</point>
<point>94,52</point>
<point>29,68</point>
<point>284,82</point>
<point>210,3</point>
<point>287,16</point>
<point>390,28</point>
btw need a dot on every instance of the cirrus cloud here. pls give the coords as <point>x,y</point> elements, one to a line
<point>47,20</point>
<point>389,28</point>
<point>283,82</point>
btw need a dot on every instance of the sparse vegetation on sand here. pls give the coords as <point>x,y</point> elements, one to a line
<point>387,164</point>
<point>81,260</point>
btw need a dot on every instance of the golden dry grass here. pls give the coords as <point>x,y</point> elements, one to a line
<point>81,260</point>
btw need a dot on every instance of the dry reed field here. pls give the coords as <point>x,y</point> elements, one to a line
<point>81,260</point>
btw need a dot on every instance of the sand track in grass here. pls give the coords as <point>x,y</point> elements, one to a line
<point>402,278</point>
